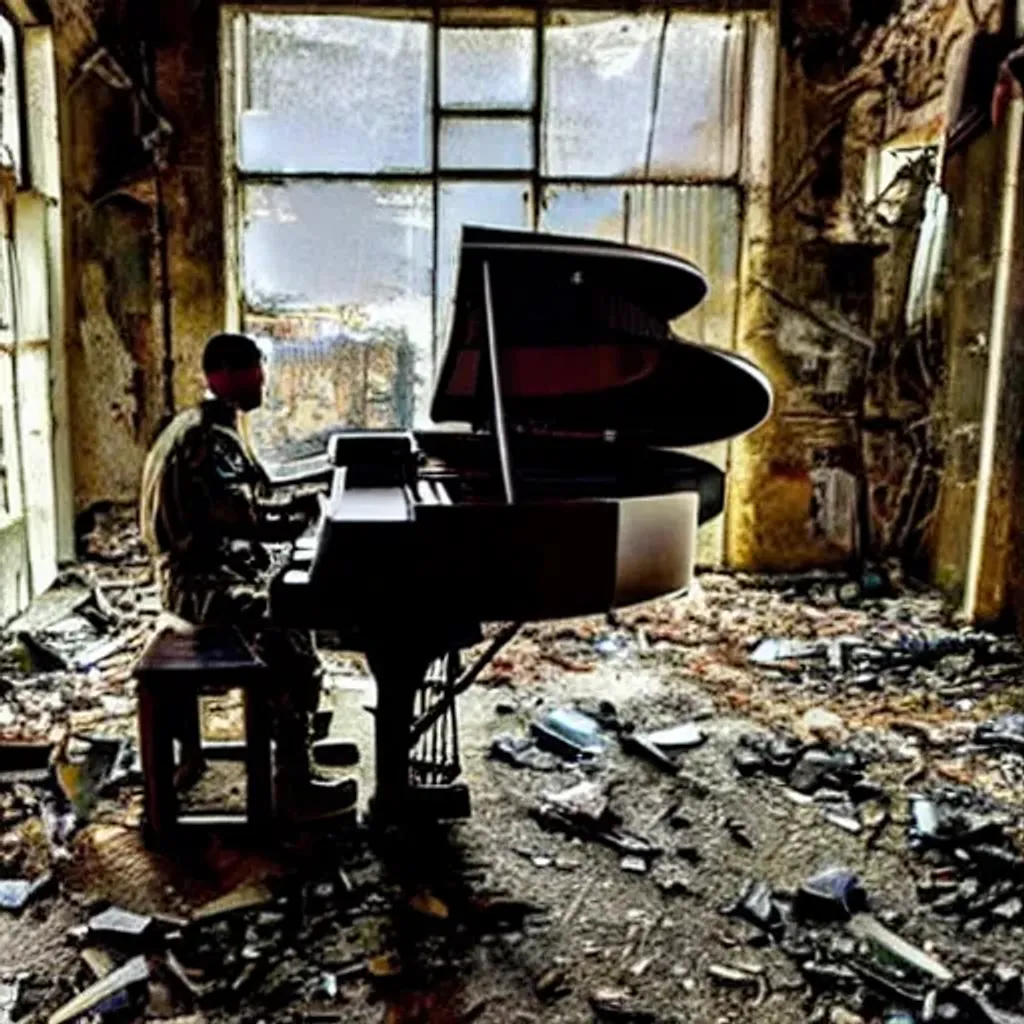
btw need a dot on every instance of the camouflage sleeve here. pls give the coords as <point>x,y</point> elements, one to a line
<point>233,482</point>
<point>225,484</point>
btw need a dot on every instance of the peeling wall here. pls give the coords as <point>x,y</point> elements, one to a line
<point>858,394</point>
<point>116,332</point>
<point>110,344</point>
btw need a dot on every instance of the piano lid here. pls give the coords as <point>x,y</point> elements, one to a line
<point>584,344</point>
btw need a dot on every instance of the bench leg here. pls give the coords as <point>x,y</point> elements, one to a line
<point>190,731</point>
<point>258,767</point>
<point>156,747</point>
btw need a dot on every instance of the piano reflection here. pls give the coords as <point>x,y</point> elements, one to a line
<point>563,495</point>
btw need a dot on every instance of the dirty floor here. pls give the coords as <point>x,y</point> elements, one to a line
<point>881,738</point>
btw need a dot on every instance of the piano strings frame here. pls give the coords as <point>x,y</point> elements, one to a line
<point>434,735</point>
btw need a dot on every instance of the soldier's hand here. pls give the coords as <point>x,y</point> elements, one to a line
<point>307,506</point>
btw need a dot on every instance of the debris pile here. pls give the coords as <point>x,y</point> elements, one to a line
<point>774,798</point>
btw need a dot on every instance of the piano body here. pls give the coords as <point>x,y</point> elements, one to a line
<point>565,498</point>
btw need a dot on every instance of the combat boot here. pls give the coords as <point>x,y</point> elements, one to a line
<point>307,801</point>
<point>300,793</point>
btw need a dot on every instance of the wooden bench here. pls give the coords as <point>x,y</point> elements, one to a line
<point>181,664</point>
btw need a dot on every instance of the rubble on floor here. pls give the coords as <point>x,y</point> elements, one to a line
<point>777,798</point>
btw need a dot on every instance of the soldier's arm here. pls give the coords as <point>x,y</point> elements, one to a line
<point>229,485</point>
<point>285,522</point>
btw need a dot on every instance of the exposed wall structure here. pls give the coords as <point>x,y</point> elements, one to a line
<point>125,75</point>
<point>856,451</point>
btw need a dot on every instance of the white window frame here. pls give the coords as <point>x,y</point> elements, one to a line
<point>36,531</point>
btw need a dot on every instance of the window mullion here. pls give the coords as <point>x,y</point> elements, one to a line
<point>538,111</point>
<point>435,157</point>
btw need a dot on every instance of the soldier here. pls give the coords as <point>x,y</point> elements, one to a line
<point>205,520</point>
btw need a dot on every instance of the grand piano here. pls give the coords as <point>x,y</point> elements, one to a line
<point>563,494</point>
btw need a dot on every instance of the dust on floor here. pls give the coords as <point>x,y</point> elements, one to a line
<point>831,729</point>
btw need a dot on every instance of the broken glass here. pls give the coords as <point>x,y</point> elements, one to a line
<point>480,143</point>
<point>336,93</point>
<point>598,92</point>
<point>337,285</point>
<point>487,68</point>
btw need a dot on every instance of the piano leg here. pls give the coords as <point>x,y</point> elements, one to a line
<point>399,674</point>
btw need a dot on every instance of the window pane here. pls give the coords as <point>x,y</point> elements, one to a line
<point>487,68</point>
<point>36,449</point>
<point>700,223</point>
<point>504,204</point>
<point>337,280</point>
<point>336,93</point>
<point>700,106</point>
<point>10,482</point>
<point>10,121</point>
<point>308,244</point>
<point>33,283</point>
<point>598,88</point>
<point>480,144</point>
<point>594,211</point>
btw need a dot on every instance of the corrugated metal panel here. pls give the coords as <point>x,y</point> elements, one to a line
<point>702,224</point>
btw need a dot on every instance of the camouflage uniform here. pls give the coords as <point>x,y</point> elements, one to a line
<point>203,520</point>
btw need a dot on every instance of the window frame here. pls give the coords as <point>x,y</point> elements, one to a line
<point>37,521</point>
<point>751,164</point>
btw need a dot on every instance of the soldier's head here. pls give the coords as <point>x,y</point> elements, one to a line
<point>233,366</point>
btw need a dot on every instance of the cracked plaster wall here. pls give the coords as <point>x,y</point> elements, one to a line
<point>859,431</point>
<point>115,335</point>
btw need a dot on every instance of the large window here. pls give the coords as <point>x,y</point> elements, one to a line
<point>358,147</point>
